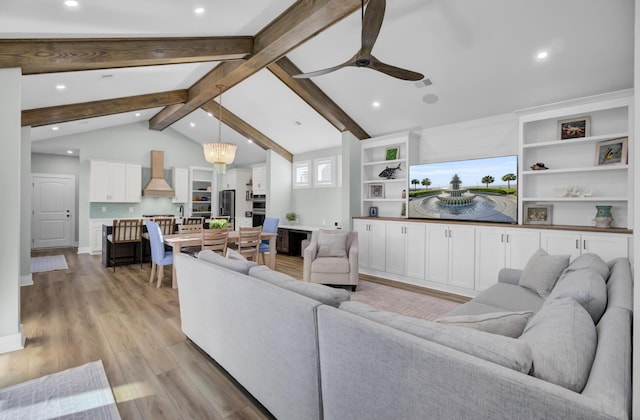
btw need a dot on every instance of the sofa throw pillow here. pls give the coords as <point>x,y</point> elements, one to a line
<point>542,271</point>
<point>321,293</point>
<point>509,324</point>
<point>586,287</point>
<point>332,243</point>
<point>232,254</point>
<point>563,339</point>
<point>587,261</point>
<point>235,265</point>
<point>505,351</point>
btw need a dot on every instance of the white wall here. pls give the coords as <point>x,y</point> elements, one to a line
<point>25,207</point>
<point>11,337</point>
<point>636,228</point>
<point>351,177</point>
<point>278,186</point>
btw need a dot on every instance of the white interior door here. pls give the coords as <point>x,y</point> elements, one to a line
<point>53,202</point>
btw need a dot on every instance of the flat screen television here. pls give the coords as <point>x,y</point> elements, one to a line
<point>482,190</point>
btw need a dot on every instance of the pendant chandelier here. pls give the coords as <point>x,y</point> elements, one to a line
<point>219,154</point>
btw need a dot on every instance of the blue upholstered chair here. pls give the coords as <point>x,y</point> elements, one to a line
<point>159,256</point>
<point>270,225</point>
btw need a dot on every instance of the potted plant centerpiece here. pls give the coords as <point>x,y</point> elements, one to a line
<point>291,217</point>
<point>218,224</point>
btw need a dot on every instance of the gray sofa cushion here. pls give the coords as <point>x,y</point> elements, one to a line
<point>563,342</point>
<point>504,351</point>
<point>510,297</point>
<point>474,307</point>
<point>321,293</point>
<point>542,271</point>
<point>585,287</point>
<point>235,265</point>
<point>509,324</point>
<point>587,261</point>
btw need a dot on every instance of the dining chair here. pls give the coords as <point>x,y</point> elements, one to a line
<point>167,224</point>
<point>193,221</point>
<point>125,232</point>
<point>182,228</point>
<point>249,242</point>
<point>215,240</point>
<point>270,225</point>
<point>159,255</point>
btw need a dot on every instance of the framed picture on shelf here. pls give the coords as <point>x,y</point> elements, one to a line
<point>376,190</point>
<point>392,153</point>
<point>574,128</point>
<point>373,212</point>
<point>537,214</point>
<point>612,152</point>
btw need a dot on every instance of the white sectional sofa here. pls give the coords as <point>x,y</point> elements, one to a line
<point>306,352</point>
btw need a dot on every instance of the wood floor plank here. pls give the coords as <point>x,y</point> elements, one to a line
<point>186,396</point>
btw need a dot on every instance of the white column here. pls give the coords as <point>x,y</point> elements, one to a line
<point>11,337</point>
<point>25,208</point>
<point>351,179</point>
<point>636,220</point>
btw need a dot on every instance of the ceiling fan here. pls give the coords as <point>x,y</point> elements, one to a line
<point>371,24</point>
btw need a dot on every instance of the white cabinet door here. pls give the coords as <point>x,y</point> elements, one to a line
<point>259,175</point>
<point>607,247</point>
<point>133,184</point>
<point>371,244</point>
<point>415,250</point>
<point>95,230</point>
<point>490,255</point>
<point>437,253</point>
<point>396,244</point>
<point>462,256</point>
<point>99,181</point>
<point>117,182</point>
<point>180,185</point>
<point>521,245</point>
<point>561,243</point>
<point>362,227</point>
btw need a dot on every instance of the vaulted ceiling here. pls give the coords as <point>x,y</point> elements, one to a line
<point>127,61</point>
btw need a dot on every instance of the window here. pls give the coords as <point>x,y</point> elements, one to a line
<point>301,174</point>
<point>324,170</point>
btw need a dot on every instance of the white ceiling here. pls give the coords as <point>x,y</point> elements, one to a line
<point>480,56</point>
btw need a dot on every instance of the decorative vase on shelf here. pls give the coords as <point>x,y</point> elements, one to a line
<point>603,217</point>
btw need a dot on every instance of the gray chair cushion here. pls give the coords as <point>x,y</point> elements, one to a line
<point>587,261</point>
<point>510,297</point>
<point>332,243</point>
<point>504,351</point>
<point>321,293</point>
<point>235,265</point>
<point>542,271</point>
<point>563,342</point>
<point>333,265</point>
<point>585,287</point>
<point>509,324</point>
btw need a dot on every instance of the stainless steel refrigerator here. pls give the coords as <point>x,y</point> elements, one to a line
<point>228,204</point>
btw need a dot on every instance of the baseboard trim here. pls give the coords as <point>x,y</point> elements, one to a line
<point>26,280</point>
<point>12,342</point>
<point>417,289</point>
<point>84,250</point>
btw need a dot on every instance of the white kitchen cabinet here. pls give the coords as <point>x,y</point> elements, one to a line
<point>115,182</point>
<point>259,175</point>
<point>180,177</point>
<point>371,243</point>
<point>405,249</point>
<point>607,246</point>
<point>498,248</point>
<point>451,255</point>
<point>95,230</point>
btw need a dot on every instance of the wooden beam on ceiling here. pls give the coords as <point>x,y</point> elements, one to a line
<point>70,54</point>
<point>64,113</point>
<point>303,20</point>
<point>234,122</point>
<point>284,68</point>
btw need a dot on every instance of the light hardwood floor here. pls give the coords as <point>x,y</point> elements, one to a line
<point>88,312</point>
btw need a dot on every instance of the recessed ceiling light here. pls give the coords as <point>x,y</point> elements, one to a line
<point>199,10</point>
<point>209,114</point>
<point>69,152</point>
<point>430,98</point>
<point>55,128</point>
<point>71,3</point>
<point>249,141</point>
<point>542,55</point>
<point>137,114</point>
<point>298,123</point>
<point>192,124</point>
<point>61,87</point>
<point>375,104</point>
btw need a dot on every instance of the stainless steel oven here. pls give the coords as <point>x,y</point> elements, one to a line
<point>259,209</point>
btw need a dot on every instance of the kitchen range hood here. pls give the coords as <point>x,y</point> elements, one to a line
<point>157,186</point>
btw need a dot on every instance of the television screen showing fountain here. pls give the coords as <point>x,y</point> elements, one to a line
<point>483,190</point>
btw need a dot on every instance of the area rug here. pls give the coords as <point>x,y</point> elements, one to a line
<point>401,301</point>
<point>49,263</point>
<point>81,392</point>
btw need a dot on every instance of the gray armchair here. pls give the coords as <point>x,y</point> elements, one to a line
<point>332,258</point>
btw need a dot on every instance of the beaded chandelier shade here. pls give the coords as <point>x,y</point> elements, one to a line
<point>219,154</point>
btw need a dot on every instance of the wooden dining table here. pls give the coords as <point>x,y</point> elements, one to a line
<point>180,240</point>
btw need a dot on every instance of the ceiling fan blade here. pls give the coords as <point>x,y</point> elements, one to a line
<point>350,62</point>
<point>371,24</point>
<point>396,72</point>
